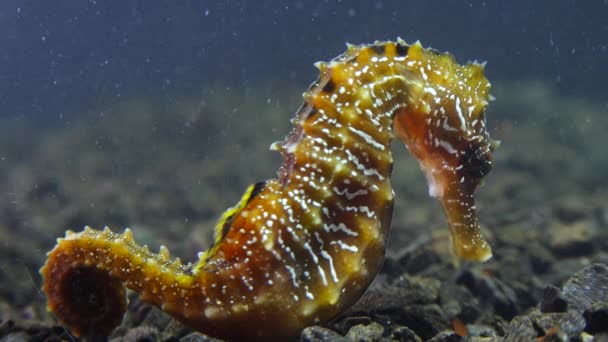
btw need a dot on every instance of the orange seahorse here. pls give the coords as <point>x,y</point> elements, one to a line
<point>301,248</point>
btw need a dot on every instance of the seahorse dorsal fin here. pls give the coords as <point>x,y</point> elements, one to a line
<point>222,227</point>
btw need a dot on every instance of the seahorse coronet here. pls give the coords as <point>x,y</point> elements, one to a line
<point>301,248</point>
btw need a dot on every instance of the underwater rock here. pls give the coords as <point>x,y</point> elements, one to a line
<point>343,325</point>
<point>570,209</point>
<point>141,333</point>
<point>518,233</point>
<point>563,269</point>
<point>541,258</point>
<point>600,338</point>
<point>417,258</point>
<point>581,305</point>
<point>369,332</point>
<point>586,287</point>
<point>573,239</point>
<point>418,290</point>
<point>571,324</point>
<point>481,330</point>
<point>602,213</point>
<point>597,318</point>
<point>425,320</point>
<point>558,326</point>
<point>457,301</point>
<point>317,333</point>
<point>393,298</point>
<point>402,333</point>
<point>156,318</point>
<point>410,301</point>
<point>500,295</point>
<point>520,329</point>
<point>446,336</point>
<point>545,322</point>
<point>197,337</point>
<point>553,301</point>
<point>176,328</point>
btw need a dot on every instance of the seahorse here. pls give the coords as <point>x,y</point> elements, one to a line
<point>299,249</point>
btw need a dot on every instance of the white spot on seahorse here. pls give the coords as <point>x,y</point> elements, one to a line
<point>322,274</point>
<point>460,116</point>
<point>330,260</point>
<point>361,167</point>
<point>447,146</point>
<point>340,227</point>
<point>447,126</point>
<point>345,246</point>
<point>350,195</point>
<point>292,272</point>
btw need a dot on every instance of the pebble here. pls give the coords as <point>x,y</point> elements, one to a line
<point>586,287</point>
<point>597,318</point>
<point>426,320</point>
<point>198,337</point>
<point>370,332</point>
<point>320,334</point>
<point>570,209</point>
<point>572,239</point>
<point>446,336</point>
<point>521,329</point>
<point>491,290</point>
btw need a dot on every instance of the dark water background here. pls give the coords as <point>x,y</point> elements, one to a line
<point>58,58</point>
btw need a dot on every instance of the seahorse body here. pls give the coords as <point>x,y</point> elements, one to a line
<point>303,247</point>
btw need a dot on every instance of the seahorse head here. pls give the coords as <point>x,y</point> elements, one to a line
<point>443,125</point>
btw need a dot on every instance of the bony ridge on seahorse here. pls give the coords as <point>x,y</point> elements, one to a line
<point>301,248</point>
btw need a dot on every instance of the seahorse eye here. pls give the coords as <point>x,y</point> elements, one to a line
<point>477,161</point>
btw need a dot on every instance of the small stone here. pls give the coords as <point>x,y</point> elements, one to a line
<point>597,318</point>
<point>6,325</point>
<point>572,324</point>
<point>417,259</point>
<point>552,300</point>
<point>563,269</point>
<point>586,287</point>
<point>405,334</point>
<point>320,334</point>
<point>489,288</point>
<point>344,324</point>
<point>481,330</point>
<point>426,320</point>
<point>545,321</point>
<point>517,234</point>
<point>570,209</point>
<point>540,257</point>
<point>143,333</point>
<point>175,328</point>
<point>421,290</point>
<point>573,239</point>
<point>446,336</point>
<point>406,291</point>
<point>521,329</point>
<point>598,338</point>
<point>457,301</point>
<point>370,332</point>
<point>16,337</point>
<point>198,337</point>
<point>156,318</point>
